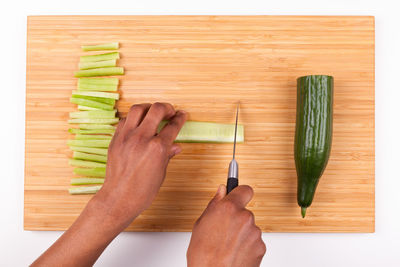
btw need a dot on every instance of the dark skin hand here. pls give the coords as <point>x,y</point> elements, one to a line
<point>137,161</point>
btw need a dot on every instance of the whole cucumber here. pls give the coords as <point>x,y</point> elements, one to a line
<point>313,136</point>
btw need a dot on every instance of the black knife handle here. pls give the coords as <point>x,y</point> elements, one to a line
<point>231,184</point>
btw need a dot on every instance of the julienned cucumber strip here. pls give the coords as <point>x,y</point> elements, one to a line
<point>96,126</point>
<point>98,81</point>
<point>96,94</point>
<point>91,172</point>
<point>84,190</point>
<point>97,87</point>
<point>107,46</point>
<point>100,57</point>
<point>92,150</point>
<point>90,143</point>
<point>91,157</point>
<point>92,137</point>
<point>208,132</point>
<point>100,121</point>
<point>108,114</point>
<point>91,103</point>
<point>84,163</point>
<point>108,101</point>
<point>91,131</point>
<point>97,64</point>
<point>110,71</point>
<point>81,181</point>
<point>85,108</point>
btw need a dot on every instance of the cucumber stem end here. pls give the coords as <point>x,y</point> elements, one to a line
<point>303,211</point>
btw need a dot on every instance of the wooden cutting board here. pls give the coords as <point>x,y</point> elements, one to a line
<point>205,64</point>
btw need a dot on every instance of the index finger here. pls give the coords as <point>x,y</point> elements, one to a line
<point>241,195</point>
<point>157,112</point>
<point>171,130</point>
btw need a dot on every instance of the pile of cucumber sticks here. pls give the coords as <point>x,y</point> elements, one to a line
<point>95,97</point>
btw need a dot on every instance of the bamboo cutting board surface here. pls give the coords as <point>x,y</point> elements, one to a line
<point>204,64</point>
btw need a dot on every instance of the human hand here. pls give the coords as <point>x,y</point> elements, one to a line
<point>225,234</point>
<point>138,159</point>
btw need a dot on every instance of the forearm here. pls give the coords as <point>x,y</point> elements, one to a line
<point>99,223</point>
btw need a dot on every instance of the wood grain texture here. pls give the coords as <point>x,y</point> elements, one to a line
<point>204,64</point>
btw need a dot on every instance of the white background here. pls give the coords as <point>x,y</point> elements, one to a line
<point>19,248</point>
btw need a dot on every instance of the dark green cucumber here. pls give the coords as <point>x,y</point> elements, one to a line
<point>313,136</point>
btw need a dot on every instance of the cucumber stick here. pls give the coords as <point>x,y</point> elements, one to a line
<point>109,71</point>
<point>91,172</point>
<point>92,136</point>
<point>93,114</point>
<point>208,132</point>
<point>92,150</point>
<point>313,137</point>
<point>97,64</point>
<point>85,108</point>
<point>98,81</point>
<point>91,157</point>
<point>91,131</point>
<point>84,190</point>
<point>85,163</point>
<point>96,94</point>
<point>81,181</point>
<point>104,100</point>
<point>98,143</point>
<point>96,126</point>
<point>97,87</point>
<point>98,121</point>
<point>99,47</point>
<point>100,57</point>
<point>91,103</point>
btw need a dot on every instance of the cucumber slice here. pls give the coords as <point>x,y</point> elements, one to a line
<point>98,81</point>
<point>93,150</point>
<point>91,172</point>
<point>85,163</point>
<point>97,64</point>
<point>92,136</point>
<point>208,132</point>
<point>96,126</point>
<point>107,46</point>
<point>96,94</point>
<point>91,131</point>
<point>107,101</point>
<point>98,143</point>
<point>98,121</point>
<point>84,190</point>
<point>110,71</point>
<point>93,114</point>
<point>91,157</point>
<point>81,181</point>
<point>97,87</point>
<point>100,57</point>
<point>91,103</point>
<point>85,108</point>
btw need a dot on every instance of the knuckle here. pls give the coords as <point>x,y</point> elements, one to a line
<point>228,206</point>
<point>156,145</point>
<point>247,216</point>
<point>158,107</point>
<point>262,248</point>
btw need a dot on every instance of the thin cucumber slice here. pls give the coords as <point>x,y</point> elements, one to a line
<point>89,143</point>
<point>96,126</point>
<point>99,47</point>
<point>98,121</point>
<point>84,190</point>
<point>91,131</point>
<point>85,108</point>
<point>93,150</point>
<point>91,172</point>
<point>109,71</point>
<point>97,64</point>
<point>85,163</point>
<point>93,114</point>
<point>107,101</point>
<point>92,136</point>
<point>98,81</point>
<point>208,132</point>
<point>97,87</point>
<point>91,157</point>
<point>96,94</point>
<point>100,57</point>
<point>91,103</point>
<point>81,181</point>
